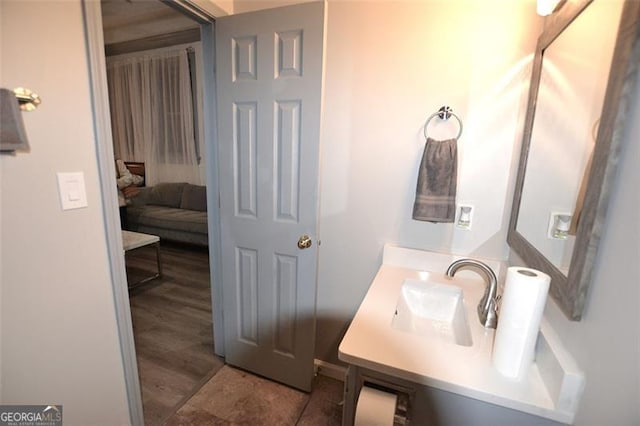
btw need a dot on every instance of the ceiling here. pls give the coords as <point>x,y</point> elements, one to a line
<point>125,20</point>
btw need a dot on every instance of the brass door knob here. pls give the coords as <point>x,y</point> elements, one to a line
<point>304,242</point>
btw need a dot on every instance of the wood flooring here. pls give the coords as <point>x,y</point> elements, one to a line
<point>172,327</point>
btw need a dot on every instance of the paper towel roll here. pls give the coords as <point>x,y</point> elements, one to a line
<point>375,407</point>
<point>523,300</point>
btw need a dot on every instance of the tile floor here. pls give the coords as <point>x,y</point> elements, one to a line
<point>235,397</point>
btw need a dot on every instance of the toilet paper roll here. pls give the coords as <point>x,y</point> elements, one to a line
<point>375,408</point>
<point>523,300</point>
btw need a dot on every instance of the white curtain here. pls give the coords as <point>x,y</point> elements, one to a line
<point>152,117</point>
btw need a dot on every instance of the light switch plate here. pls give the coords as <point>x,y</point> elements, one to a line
<point>73,194</point>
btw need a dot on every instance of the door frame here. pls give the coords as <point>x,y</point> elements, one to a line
<point>96,62</point>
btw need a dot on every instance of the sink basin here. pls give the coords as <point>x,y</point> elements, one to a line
<point>420,327</point>
<point>432,309</point>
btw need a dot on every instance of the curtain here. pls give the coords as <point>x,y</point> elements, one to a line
<point>152,115</point>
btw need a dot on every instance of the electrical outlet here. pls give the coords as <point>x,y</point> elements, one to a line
<point>559,223</point>
<point>464,216</point>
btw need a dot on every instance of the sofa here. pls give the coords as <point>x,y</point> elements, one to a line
<point>172,211</point>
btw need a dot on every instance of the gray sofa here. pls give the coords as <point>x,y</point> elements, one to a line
<point>172,211</point>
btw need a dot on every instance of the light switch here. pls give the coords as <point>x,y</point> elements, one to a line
<point>72,190</point>
<point>73,193</point>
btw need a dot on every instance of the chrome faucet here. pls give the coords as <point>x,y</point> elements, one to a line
<point>487,308</point>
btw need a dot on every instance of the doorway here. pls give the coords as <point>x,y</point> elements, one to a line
<point>97,65</point>
<point>297,143</point>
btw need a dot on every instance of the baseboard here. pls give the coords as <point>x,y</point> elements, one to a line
<point>328,369</point>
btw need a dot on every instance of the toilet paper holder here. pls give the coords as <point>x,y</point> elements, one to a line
<point>402,410</point>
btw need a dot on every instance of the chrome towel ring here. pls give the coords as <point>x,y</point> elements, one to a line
<point>444,113</point>
<point>27,100</point>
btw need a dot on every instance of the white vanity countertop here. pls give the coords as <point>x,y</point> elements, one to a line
<point>371,342</point>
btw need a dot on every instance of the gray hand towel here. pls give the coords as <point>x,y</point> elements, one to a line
<point>436,189</point>
<point>12,133</point>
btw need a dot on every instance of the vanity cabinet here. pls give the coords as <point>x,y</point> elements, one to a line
<point>426,406</point>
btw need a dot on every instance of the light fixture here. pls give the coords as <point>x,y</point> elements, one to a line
<point>546,7</point>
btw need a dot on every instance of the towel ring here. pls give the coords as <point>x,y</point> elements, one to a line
<point>444,113</point>
<point>27,100</point>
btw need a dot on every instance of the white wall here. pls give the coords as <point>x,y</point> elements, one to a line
<point>59,337</point>
<point>605,342</point>
<point>389,65</point>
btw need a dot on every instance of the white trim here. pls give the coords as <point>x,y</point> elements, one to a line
<point>328,369</point>
<point>104,147</point>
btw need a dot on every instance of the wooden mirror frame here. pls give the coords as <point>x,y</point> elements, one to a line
<point>570,291</point>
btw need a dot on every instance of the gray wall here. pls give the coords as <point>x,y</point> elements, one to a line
<point>377,92</point>
<point>59,337</point>
<point>389,66</point>
<point>605,343</point>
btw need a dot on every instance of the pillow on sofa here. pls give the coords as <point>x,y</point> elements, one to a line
<point>141,198</point>
<point>167,194</point>
<point>194,197</point>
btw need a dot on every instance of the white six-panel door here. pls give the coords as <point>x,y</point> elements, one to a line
<point>269,81</point>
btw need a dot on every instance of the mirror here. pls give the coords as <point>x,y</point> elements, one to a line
<point>573,80</point>
<point>575,118</point>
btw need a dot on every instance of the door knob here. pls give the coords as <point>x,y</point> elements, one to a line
<point>304,242</point>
